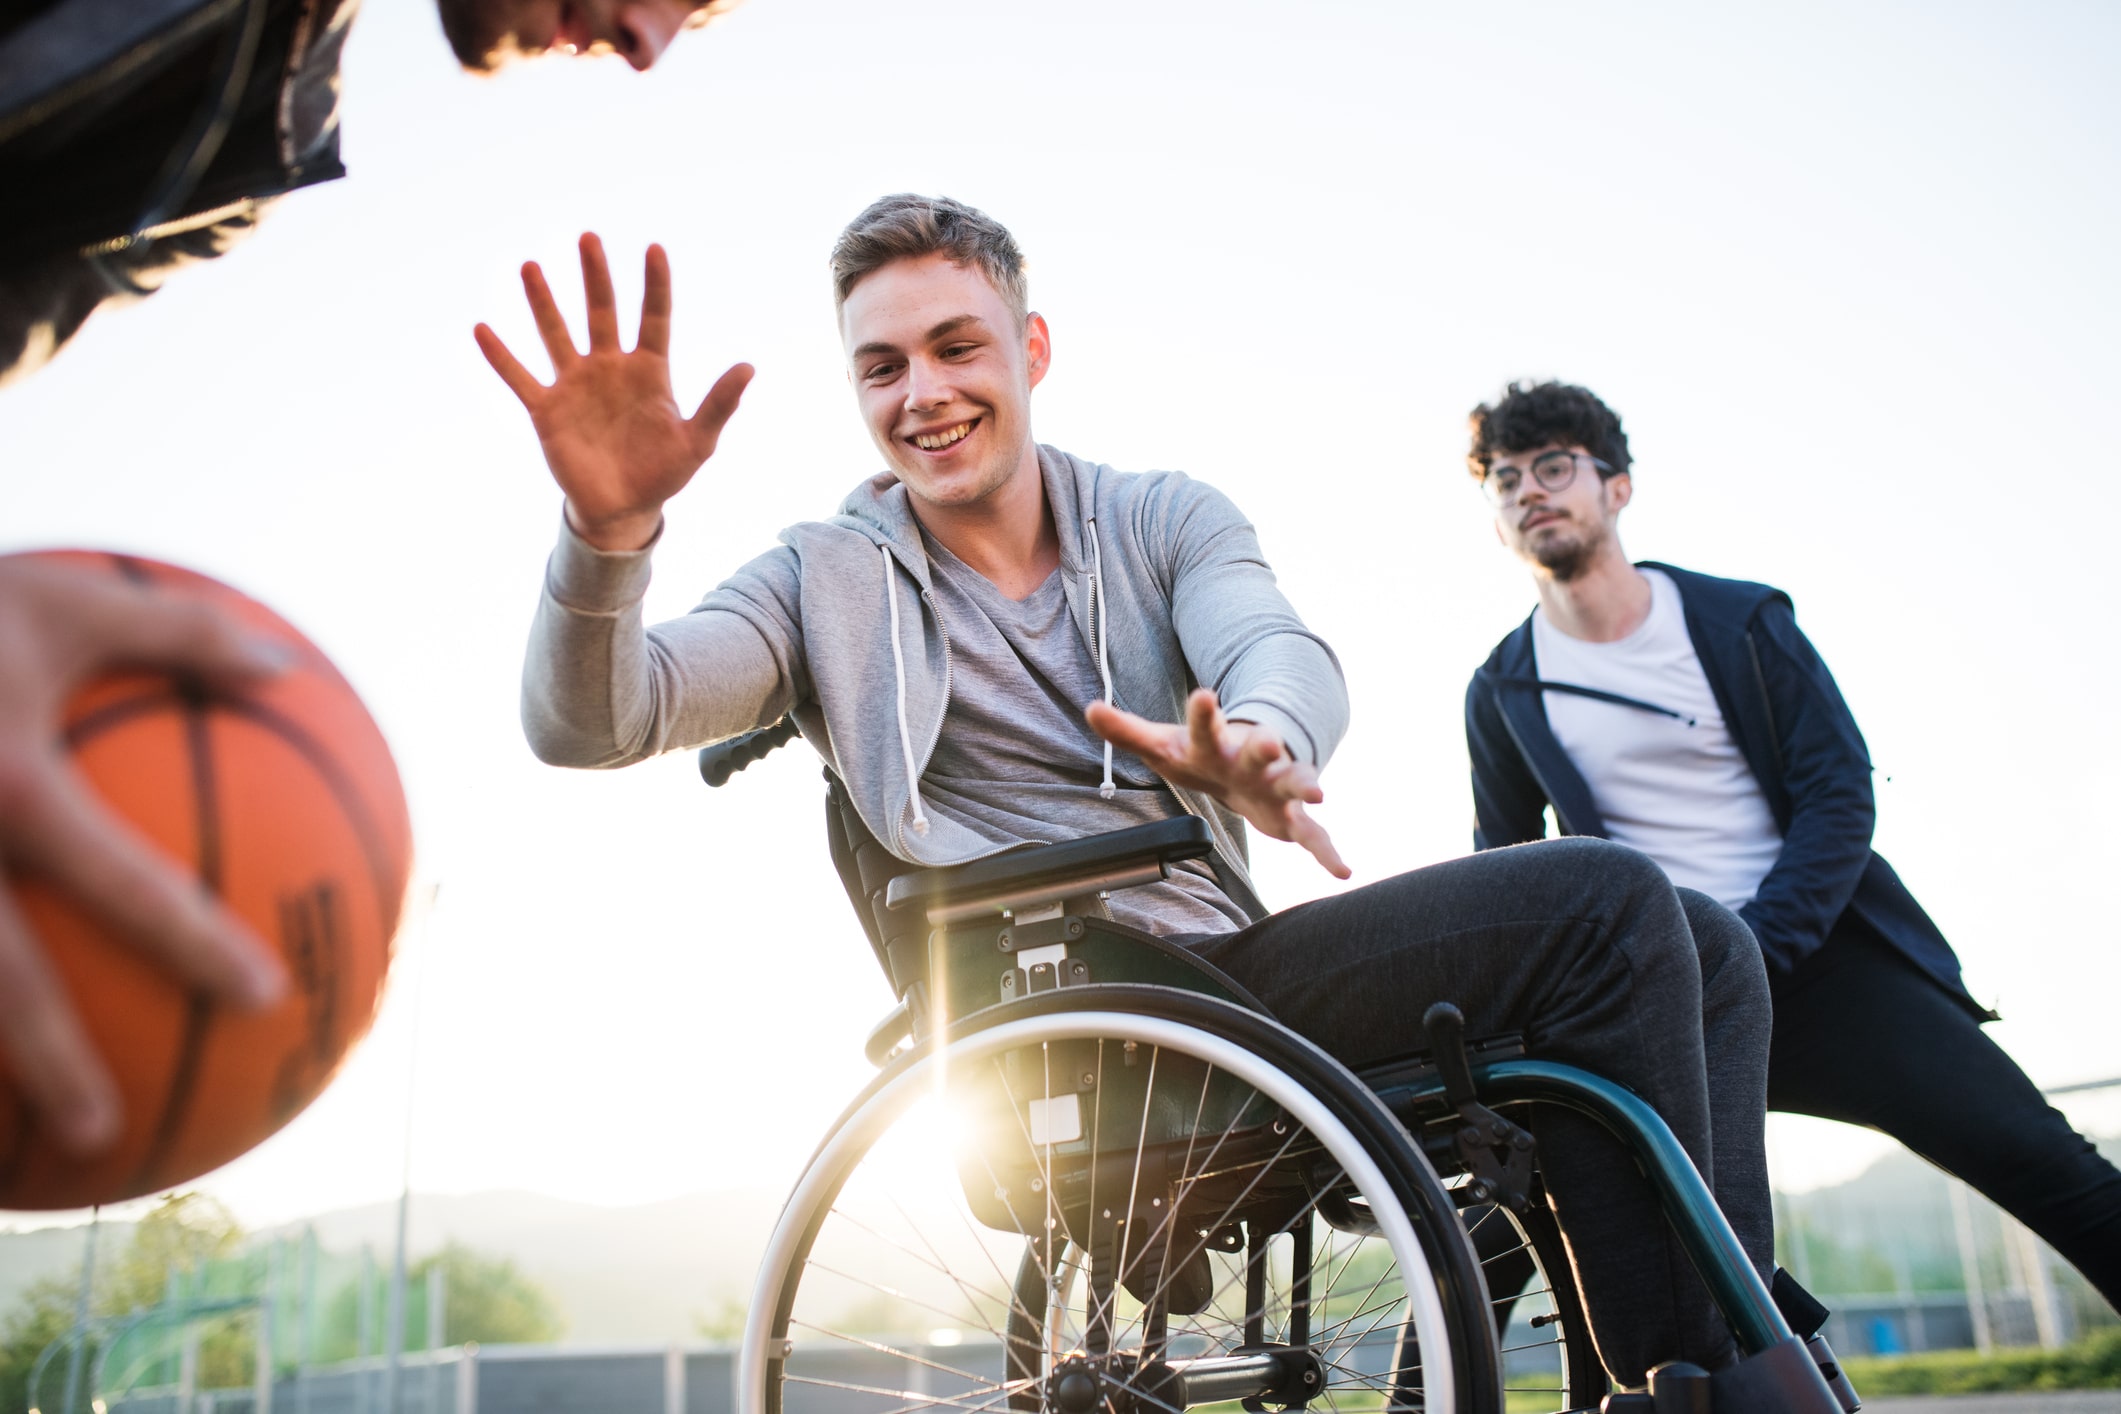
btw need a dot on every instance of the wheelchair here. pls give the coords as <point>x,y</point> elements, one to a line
<point>1094,1176</point>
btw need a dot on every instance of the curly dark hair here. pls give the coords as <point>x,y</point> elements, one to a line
<point>1530,415</point>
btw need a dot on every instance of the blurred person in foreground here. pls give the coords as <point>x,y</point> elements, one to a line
<point>978,580</point>
<point>1688,716</point>
<point>136,138</point>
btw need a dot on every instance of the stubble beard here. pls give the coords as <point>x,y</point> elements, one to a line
<point>1567,557</point>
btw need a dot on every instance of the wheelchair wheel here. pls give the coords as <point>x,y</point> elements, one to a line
<point>1548,1359</point>
<point>1127,1200</point>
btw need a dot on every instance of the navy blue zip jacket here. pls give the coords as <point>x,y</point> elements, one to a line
<point>1793,728</point>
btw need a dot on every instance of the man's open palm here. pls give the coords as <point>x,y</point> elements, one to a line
<point>1244,766</point>
<point>610,425</point>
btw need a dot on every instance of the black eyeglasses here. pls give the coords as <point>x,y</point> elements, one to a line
<point>1552,470</point>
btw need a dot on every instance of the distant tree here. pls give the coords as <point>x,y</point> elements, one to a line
<point>486,1299</point>
<point>182,1236</point>
<point>45,1312</point>
<point>185,1249</point>
<point>724,1323</point>
<point>180,1239</point>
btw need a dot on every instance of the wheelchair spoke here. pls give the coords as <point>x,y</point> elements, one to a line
<point>931,1260</point>
<point>1260,1172</point>
<point>1185,1191</point>
<point>894,1293</point>
<point>1384,1309</point>
<point>1002,1191</point>
<point>1126,1233</point>
<point>1017,1111</point>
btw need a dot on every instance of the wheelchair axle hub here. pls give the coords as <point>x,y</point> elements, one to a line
<point>1073,1387</point>
<point>1285,1376</point>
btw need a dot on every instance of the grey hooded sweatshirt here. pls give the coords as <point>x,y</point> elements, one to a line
<point>837,624</point>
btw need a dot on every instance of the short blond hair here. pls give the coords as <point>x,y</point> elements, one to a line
<point>905,227</point>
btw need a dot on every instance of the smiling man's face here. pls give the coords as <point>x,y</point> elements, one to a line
<point>943,373</point>
<point>485,34</point>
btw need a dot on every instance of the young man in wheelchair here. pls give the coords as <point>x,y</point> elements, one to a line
<point>939,637</point>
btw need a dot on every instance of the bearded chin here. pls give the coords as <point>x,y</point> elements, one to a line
<point>1567,557</point>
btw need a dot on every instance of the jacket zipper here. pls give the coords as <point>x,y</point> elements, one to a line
<point>1767,707</point>
<point>942,631</point>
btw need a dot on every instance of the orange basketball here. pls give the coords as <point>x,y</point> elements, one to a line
<point>280,795</point>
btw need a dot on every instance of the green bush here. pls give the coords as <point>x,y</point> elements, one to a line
<point>2092,1363</point>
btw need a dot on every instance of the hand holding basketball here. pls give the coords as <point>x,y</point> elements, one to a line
<point>61,626</point>
<point>610,425</point>
<point>183,776</point>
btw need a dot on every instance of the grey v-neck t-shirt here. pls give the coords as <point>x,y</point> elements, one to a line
<point>1016,757</point>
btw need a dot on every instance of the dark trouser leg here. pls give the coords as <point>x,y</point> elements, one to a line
<point>1584,947</point>
<point>1733,984</point>
<point>1863,1037</point>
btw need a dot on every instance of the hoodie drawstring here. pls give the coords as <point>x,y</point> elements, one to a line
<point>1100,611</point>
<point>898,668</point>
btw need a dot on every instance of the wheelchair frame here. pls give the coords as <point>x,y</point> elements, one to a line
<point>1020,904</point>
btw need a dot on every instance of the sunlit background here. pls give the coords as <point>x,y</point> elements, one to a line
<point>1846,271</point>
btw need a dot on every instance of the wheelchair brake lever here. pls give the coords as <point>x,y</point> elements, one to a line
<point>1497,1153</point>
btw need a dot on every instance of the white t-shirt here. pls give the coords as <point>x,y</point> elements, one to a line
<point>1675,787</point>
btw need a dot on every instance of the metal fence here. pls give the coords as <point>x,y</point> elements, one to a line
<point>1926,1263</point>
<point>536,1379</point>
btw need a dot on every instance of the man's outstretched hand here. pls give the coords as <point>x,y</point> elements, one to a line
<point>610,425</point>
<point>1242,765</point>
<point>60,627</point>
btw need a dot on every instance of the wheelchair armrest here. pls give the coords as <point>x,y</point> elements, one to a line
<point>1047,873</point>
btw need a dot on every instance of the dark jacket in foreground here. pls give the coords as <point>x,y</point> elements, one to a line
<point>1796,733</point>
<point>137,136</point>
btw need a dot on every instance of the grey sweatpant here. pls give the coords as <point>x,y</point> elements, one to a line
<point>1587,949</point>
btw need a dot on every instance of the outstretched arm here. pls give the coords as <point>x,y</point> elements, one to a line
<point>1245,766</point>
<point>610,426</point>
<point>597,690</point>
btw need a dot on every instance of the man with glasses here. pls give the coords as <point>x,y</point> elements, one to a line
<point>1688,716</point>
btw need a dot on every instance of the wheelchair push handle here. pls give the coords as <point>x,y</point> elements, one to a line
<point>725,758</point>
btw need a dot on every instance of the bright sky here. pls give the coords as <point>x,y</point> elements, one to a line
<point>1846,271</point>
